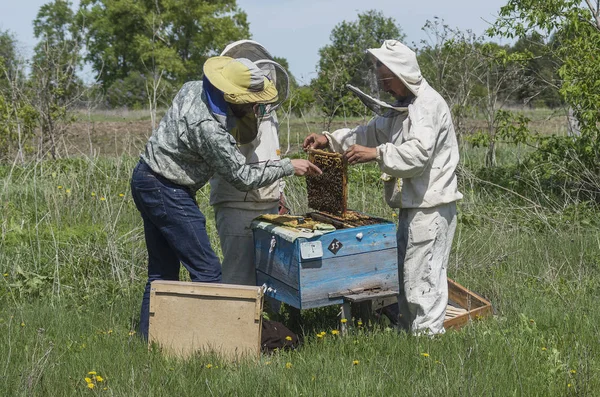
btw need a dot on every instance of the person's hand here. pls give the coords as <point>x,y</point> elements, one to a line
<point>360,154</point>
<point>305,167</point>
<point>315,141</point>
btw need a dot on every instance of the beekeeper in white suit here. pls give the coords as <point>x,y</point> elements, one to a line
<point>419,146</point>
<point>258,140</point>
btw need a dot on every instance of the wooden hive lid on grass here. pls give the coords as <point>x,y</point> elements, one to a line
<point>328,192</point>
<point>188,317</point>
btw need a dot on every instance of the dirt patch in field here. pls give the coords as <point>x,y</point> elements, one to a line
<point>106,138</point>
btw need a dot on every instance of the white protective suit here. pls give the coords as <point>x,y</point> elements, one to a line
<point>421,148</point>
<point>234,210</point>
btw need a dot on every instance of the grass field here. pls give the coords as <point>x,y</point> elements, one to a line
<point>72,259</point>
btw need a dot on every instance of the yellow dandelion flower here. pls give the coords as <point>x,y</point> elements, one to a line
<point>68,190</point>
<point>131,333</point>
<point>425,354</point>
<point>99,378</point>
<point>22,324</point>
<point>288,338</point>
<point>88,379</point>
<point>268,363</point>
<point>359,323</point>
<point>355,362</point>
<point>531,320</point>
<point>209,366</point>
<point>544,349</point>
<point>569,385</point>
<point>93,194</point>
<point>5,274</point>
<point>92,373</point>
<point>106,388</point>
<point>91,385</point>
<point>319,336</point>
<point>394,215</point>
<point>110,331</point>
<point>102,199</point>
<point>288,365</point>
<point>121,195</point>
<point>344,321</point>
<point>573,371</point>
<point>59,186</point>
<point>335,332</point>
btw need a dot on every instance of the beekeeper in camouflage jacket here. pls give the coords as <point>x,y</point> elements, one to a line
<point>420,147</point>
<point>190,145</point>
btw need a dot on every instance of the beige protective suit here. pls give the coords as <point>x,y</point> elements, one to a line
<point>421,148</point>
<point>234,210</point>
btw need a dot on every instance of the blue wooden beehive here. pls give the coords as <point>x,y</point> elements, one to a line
<point>308,269</point>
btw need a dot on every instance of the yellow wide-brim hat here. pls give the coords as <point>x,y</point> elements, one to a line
<point>240,80</point>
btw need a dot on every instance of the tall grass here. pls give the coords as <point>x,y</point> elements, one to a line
<point>72,259</point>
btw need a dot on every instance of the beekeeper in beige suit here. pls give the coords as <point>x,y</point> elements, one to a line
<point>415,141</point>
<point>258,141</point>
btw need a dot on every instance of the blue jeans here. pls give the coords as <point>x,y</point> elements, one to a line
<point>175,232</point>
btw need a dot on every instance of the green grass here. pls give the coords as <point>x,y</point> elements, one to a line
<point>72,259</point>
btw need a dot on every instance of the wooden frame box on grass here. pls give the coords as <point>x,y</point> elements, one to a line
<point>187,317</point>
<point>464,305</point>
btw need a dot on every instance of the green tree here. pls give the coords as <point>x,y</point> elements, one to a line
<point>475,77</point>
<point>541,69</point>
<point>166,41</point>
<point>8,56</point>
<point>343,61</point>
<point>54,84</point>
<point>575,29</point>
<point>449,61</point>
<point>18,118</point>
<point>497,81</point>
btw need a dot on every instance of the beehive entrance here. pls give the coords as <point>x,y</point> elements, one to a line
<point>328,192</point>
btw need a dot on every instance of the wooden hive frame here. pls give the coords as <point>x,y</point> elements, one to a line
<point>464,305</point>
<point>323,159</point>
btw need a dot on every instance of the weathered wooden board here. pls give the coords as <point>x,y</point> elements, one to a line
<point>189,317</point>
<point>347,272</point>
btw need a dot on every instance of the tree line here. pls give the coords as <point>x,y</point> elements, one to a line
<point>141,51</point>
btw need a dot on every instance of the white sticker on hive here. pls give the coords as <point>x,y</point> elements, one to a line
<point>311,250</point>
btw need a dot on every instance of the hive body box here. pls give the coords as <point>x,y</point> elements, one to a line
<point>314,271</point>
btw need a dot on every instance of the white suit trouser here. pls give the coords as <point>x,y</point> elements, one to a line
<point>424,242</point>
<point>237,243</point>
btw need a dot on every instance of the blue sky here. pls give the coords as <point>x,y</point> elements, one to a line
<point>296,29</point>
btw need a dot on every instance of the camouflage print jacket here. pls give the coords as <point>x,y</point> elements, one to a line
<point>190,146</point>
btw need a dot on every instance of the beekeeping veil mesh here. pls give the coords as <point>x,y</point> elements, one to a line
<point>263,59</point>
<point>369,88</point>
